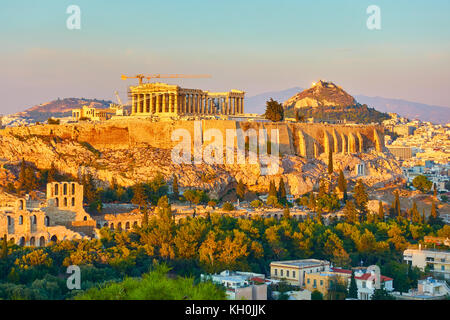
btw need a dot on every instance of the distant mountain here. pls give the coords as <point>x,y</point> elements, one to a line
<point>408,109</point>
<point>411,110</point>
<point>321,94</point>
<point>59,108</point>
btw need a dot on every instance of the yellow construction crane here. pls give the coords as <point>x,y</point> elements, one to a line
<point>165,76</point>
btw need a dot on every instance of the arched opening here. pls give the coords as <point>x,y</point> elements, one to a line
<point>73,188</point>
<point>56,190</point>
<point>135,224</point>
<point>57,202</point>
<point>85,218</point>
<point>119,226</point>
<point>127,226</point>
<point>41,241</point>
<point>105,224</point>
<point>22,241</point>
<point>111,226</point>
<point>32,241</point>
<point>21,205</point>
<point>33,219</point>
<point>20,220</point>
<point>47,221</point>
<point>65,202</point>
<point>54,238</point>
<point>73,202</point>
<point>65,189</point>
<point>9,221</point>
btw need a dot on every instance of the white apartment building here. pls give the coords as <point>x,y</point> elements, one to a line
<point>438,261</point>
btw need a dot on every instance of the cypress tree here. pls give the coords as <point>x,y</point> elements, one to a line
<point>353,289</point>
<point>434,212</point>
<point>330,161</point>
<point>22,176</point>
<point>272,189</point>
<point>361,197</point>
<point>175,186</point>
<point>380,210</point>
<point>281,191</point>
<point>240,190</point>
<point>342,184</point>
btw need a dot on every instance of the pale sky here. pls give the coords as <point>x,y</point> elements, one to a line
<point>251,45</point>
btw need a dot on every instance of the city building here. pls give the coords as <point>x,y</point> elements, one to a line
<point>240,285</point>
<point>401,153</point>
<point>437,261</point>
<point>163,99</point>
<point>294,271</point>
<point>97,114</point>
<point>427,289</point>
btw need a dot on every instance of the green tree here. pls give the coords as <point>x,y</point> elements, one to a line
<point>361,197</point>
<point>272,189</point>
<point>139,196</point>
<point>4,250</point>
<point>422,183</point>
<point>228,206</point>
<point>274,111</point>
<point>316,295</point>
<point>240,190</point>
<point>351,215</point>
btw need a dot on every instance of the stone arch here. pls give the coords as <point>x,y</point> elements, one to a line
<point>20,219</point>
<point>73,188</point>
<point>54,238</point>
<point>73,202</point>
<point>343,144</point>
<point>57,202</point>
<point>105,224</point>
<point>33,219</point>
<point>119,226</point>
<point>10,221</point>
<point>135,224</point>
<point>32,241</point>
<point>41,241</point>
<point>47,221</point>
<point>65,189</point>
<point>111,226</point>
<point>56,189</point>
<point>85,218</point>
<point>127,225</point>
<point>21,204</point>
<point>22,241</point>
<point>360,145</point>
<point>65,202</point>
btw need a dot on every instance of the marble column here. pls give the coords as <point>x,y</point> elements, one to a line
<point>176,104</point>
<point>145,103</point>
<point>171,105</point>
<point>151,104</point>
<point>158,103</point>
<point>133,103</point>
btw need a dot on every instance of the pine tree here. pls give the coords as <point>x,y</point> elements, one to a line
<point>175,187</point>
<point>415,215</point>
<point>330,161</point>
<point>139,197</point>
<point>274,111</point>
<point>312,201</point>
<point>342,184</point>
<point>353,288</point>
<point>434,212</point>
<point>380,210</point>
<point>22,176</point>
<point>395,207</point>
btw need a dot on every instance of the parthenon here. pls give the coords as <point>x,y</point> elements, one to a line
<point>171,100</point>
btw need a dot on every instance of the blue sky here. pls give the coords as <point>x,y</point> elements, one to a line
<point>256,46</point>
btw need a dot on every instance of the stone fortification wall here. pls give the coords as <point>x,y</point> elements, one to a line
<point>304,139</point>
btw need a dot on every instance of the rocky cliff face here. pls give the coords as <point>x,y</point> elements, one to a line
<point>142,162</point>
<point>321,94</point>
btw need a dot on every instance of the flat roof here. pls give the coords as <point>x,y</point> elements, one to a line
<point>300,263</point>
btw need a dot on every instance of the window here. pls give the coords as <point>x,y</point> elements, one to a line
<point>307,281</point>
<point>20,219</point>
<point>314,283</point>
<point>443,268</point>
<point>275,271</point>
<point>293,274</point>
<point>287,273</point>
<point>321,282</point>
<point>281,272</point>
<point>363,284</point>
<point>73,202</point>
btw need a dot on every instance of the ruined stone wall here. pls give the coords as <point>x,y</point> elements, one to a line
<point>303,139</point>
